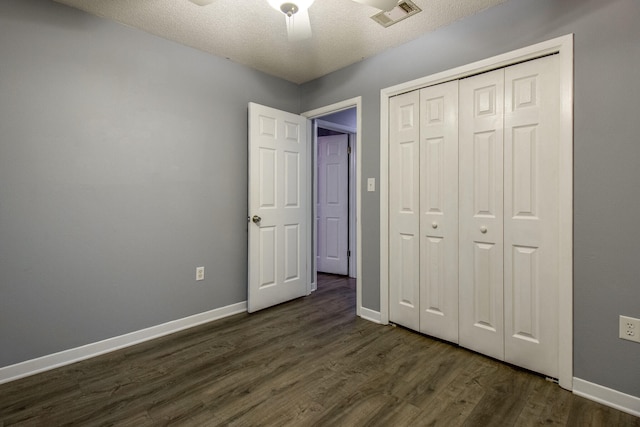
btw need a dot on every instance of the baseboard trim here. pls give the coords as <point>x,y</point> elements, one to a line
<point>607,396</point>
<point>67,357</point>
<point>370,315</point>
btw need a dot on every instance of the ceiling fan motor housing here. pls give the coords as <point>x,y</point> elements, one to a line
<point>289,9</point>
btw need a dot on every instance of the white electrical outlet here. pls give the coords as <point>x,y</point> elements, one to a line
<point>199,273</point>
<point>629,328</point>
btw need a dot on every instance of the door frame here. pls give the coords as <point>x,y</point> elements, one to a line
<point>563,46</point>
<point>351,136</point>
<point>317,114</point>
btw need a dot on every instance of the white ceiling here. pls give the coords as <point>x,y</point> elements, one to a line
<point>252,33</point>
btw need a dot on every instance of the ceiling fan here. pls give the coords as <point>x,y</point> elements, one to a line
<point>296,13</point>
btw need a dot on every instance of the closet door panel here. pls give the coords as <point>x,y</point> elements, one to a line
<point>481,139</point>
<point>404,210</point>
<point>531,186</point>
<point>439,211</point>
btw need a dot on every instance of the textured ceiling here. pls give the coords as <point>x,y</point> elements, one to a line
<point>250,32</point>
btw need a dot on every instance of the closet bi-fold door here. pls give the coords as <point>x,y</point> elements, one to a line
<point>439,211</point>
<point>481,132</point>
<point>423,210</point>
<point>531,185</point>
<point>404,210</point>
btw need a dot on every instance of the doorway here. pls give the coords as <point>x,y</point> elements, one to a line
<point>335,201</point>
<point>342,118</point>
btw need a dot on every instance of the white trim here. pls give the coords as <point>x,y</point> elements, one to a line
<point>66,357</point>
<point>353,195</point>
<point>607,396</point>
<point>334,108</point>
<point>564,47</point>
<point>312,187</point>
<point>370,315</point>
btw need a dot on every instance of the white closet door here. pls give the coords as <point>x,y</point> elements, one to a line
<point>439,211</point>
<point>481,213</point>
<point>404,210</point>
<point>531,151</point>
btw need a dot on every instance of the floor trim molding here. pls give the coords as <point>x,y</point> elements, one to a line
<point>607,396</point>
<point>66,357</point>
<point>370,315</point>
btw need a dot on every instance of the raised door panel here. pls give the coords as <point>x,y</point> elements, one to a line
<point>531,202</point>
<point>439,211</point>
<point>404,210</point>
<point>481,133</point>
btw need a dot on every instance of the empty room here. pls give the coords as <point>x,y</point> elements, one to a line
<point>330,212</point>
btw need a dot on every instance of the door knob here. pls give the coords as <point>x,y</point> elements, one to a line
<point>256,219</point>
<point>483,229</point>
<point>434,224</point>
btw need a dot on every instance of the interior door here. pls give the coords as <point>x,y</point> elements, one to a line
<point>481,213</point>
<point>531,186</point>
<point>333,204</point>
<point>278,207</point>
<point>439,211</point>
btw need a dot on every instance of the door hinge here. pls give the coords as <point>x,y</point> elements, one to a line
<point>348,149</point>
<point>348,253</point>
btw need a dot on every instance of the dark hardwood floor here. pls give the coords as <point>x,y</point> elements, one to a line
<point>306,362</point>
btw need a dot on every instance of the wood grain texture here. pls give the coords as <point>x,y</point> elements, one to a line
<point>306,362</point>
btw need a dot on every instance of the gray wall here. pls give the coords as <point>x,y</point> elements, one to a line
<point>606,152</point>
<point>345,117</point>
<point>122,168</point>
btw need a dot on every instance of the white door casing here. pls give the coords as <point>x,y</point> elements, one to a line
<point>439,211</point>
<point>333,204</point>
<point>404,210</point>
<point>481,218</point>
<point>531,215</point>
<point>278,207</point>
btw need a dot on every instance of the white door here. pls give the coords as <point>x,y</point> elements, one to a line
<point>278,207</point>
<point>333,204</point>
<point>404,210</point>
<point>439,211</point>
<point>531,188</point>
<point>481,213</point>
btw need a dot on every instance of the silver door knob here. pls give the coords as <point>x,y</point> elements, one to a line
<point>256,219</point>
<point>434,224</point>
<point>483,229</point>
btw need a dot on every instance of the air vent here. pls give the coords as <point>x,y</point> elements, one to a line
<point>403,10</point>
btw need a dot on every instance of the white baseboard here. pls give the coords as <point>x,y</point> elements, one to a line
<point>370,315</point>
<point>66,357</point>
<point>607,396</point>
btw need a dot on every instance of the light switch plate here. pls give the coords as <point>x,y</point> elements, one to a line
<point>371,184</point>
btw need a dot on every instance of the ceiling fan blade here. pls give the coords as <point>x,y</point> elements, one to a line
<point>385,5</point>
<point>201,2</point>
<point>298,25</point>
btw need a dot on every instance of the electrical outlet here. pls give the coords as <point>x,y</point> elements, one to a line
<point>199,273</point>
<point>629,328</point>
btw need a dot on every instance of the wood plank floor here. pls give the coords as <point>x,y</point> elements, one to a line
<point>306,362</point>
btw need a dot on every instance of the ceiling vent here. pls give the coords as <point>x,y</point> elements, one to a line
<point>403,10</point>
